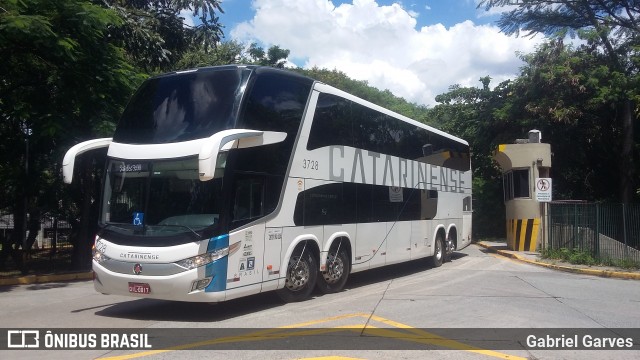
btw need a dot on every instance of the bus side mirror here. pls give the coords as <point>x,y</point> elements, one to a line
<point>226,140</point>
<point>70,157</point>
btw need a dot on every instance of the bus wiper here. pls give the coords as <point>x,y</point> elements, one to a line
<point>117,225</point>
<point>186,227</point>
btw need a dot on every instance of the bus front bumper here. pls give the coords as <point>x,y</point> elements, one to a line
<point>177,287</point>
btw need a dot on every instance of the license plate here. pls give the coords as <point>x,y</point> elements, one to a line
<point>139,288</point>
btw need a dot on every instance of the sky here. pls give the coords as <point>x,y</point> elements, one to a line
<point>414,48</point>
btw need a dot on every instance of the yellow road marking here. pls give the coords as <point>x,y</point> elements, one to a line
<point>331,358</point>
<point>320,321</point>
<point>412,334</point>
<point>425,337</point>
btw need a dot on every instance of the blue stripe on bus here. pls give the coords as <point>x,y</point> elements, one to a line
<point>217,269</point>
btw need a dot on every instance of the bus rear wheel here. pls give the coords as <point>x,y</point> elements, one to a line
<point>337,271</point>
<point>438,252</point>
<point>302,273</point>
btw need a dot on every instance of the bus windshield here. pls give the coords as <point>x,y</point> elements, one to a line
<point>182,107</point>
<point>159,198</point>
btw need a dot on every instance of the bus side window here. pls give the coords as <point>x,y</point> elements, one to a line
<point>249,201</point>
<point>466,204</point>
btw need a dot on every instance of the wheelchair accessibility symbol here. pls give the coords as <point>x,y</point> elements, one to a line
<point>138,217</point>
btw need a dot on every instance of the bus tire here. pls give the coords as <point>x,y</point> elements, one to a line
<point>302,273</point>
<point>438,252</point>
<point>338,266</point>
<point>448,248</point>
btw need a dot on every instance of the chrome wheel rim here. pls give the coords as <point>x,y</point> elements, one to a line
<point>335,269</point>
<point>298,275</point>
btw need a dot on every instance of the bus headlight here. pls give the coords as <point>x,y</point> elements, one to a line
<point>204,259</point>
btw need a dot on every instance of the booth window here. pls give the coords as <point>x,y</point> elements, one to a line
<point>516,184</point>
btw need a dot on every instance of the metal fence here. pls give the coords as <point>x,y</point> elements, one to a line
<point>50,252</point>
<point>606,231</point>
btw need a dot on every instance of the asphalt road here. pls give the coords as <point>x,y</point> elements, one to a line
<point>407,311</point>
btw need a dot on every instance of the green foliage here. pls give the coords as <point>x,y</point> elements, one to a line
<point>228,52</point>
<point>274,56</point>
<point>69,67</point>
<point>62,79</point>
<point>564,92</point>
<point>621,263</point>
<point>558,92</point>
<point>596,19</point>
<point>470,113</point>
<point>233,52</point>
<point>154,35</point>
<point>584,257</point>
<point>611,30</point>
<point>488,210</point>
<point>362,89</point>
<point>573,256</point>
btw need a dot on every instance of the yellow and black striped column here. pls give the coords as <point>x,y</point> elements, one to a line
<point>522,234</point>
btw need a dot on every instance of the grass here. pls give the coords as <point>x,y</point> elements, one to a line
<point>583,257</point>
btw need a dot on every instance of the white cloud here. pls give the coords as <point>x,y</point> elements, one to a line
<point>382,44</point>
<point>187,17</point>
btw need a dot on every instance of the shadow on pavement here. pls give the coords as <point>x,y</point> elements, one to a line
<point>164,310</point>
<point>47,286</point>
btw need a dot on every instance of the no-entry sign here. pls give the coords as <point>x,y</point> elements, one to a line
<point>543,189</point>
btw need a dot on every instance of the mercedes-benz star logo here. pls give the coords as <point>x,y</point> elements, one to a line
<point>137,269</point>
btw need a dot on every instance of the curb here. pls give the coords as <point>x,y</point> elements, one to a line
<point>575,270</point>
<point>39,279</point>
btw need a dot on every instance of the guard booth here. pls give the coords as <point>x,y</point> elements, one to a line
<point>525,167</point>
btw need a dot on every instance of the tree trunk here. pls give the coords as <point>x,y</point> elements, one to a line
<point>33,225</point>
<point>627,164</point>
<point>17,237</point>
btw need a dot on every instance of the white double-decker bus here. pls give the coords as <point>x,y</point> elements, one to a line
<point>227,181</point>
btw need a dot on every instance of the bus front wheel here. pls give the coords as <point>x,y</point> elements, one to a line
<point>337,271</point>
<point>302,273</point>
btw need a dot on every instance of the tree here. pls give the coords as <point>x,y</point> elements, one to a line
<point>561,91</point>
<point>62,81</point>
<point>362,89</point>
<point>154,33</point>
<point>274,56</point>
<point>613,28</point>
<point>233,52</point>
<point>68,69</point>
<point>228,52</point>
<point>469,112</point>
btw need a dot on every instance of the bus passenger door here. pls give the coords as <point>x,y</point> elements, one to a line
<point>246,265</point>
